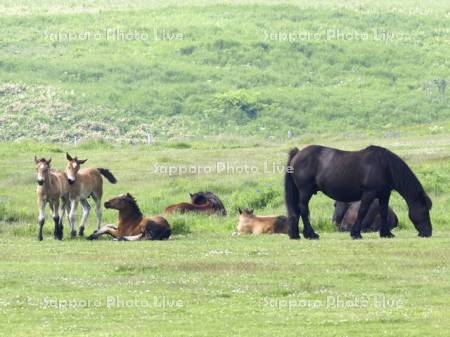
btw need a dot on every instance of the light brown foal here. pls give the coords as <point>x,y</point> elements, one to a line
<point>249,223</point>
<point>85,183</point>
<point>53,189</point>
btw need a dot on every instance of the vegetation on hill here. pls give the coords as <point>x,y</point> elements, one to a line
<point>189,71</point>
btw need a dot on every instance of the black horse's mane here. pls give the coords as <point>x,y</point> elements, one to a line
<point>133,205</point>
<point>403,178</point>
<point>214,200</point>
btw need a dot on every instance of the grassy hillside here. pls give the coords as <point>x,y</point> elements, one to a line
<point>106,70</point>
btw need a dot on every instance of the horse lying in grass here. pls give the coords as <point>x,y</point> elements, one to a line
<point>368,174</point>
<point>132,224</point>
<point>52,189</point>
<point>85,183</point>
<point>201,202</point>
<point>252,224</point>
<point>346,213</point>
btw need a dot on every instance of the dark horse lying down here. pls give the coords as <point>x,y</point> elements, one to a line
<point>201,202</point>
<point>346,213</point>
<point>373,172</point>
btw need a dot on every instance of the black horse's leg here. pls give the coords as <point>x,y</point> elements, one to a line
<point>366,201</point>
<point>308,231</point>
<point>385,231</point>
<point>293,230</point>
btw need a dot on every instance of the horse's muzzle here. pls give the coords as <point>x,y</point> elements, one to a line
<point>71,182</point>
<point>40,182</point>
<point>107,205</point>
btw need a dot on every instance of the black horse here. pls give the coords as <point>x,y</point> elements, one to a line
<point>373,172</point>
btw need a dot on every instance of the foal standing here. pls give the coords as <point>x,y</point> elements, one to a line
<point>52,188</point>
<point>85,183</point>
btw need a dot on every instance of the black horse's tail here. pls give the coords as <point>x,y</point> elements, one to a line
<point>291,197</point>
<point>108,175</point>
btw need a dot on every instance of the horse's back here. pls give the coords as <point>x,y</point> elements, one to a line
<point>342,175</point>
<point>263,225</point>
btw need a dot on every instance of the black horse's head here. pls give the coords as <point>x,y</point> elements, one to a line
<point>419,213</point>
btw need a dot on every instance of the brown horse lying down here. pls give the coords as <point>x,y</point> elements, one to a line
<point>132,224</point>
<point>252,224</point>
<point>201,202</point>
<point>346,213</point>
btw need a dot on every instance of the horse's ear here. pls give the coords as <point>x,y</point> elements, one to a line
<point>191,195</point>
<point>49,161</point>
<point>250,210</point>
<point>35,159</point>
<point>81,161</point>
<point>68,156</point>
<point>240,210</point>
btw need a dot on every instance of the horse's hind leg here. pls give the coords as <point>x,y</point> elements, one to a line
<point>304,197</point>
<point>98,209</point>
<point>86,210</point>
<point>55,214</point>
<point>62,213</point>
<point>366,200</point>
<point>385,231</point>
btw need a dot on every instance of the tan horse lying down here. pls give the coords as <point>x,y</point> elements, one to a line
<point>52,189</point>
<point>252,224</point>
<point>132,224</point>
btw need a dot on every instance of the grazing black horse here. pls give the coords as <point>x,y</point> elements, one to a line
<point>373,172</point>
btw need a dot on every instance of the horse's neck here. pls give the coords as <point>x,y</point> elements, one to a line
<point>128,217</point>
<point>49,182</point>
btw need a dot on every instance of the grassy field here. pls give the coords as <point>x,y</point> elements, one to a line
<point>205,281</point>
<point>215,285</point>
<point>218,85</point>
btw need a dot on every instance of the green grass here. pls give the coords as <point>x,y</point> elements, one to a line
<point>217,285</point>
<point>225,91</point>
<point>205,281</point>
<point>228,73</point>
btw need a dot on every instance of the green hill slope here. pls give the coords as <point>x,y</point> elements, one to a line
<point>72,71</point>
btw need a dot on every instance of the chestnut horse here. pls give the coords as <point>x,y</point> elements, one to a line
<point>132,224</point>
<point>52,189</point>
<point>85,183</point>
<point>252,224</point>
<point>201,202</point>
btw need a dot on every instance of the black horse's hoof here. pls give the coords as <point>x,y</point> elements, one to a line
<point>73,234</point>
<point>311,236</point>
<point>294,237</point>
<point>93,236</point>
<point>81,232</point>
<point>387,235</point>
<point>58,234</point>
<point>356,236</point>
<point>40,238</point>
